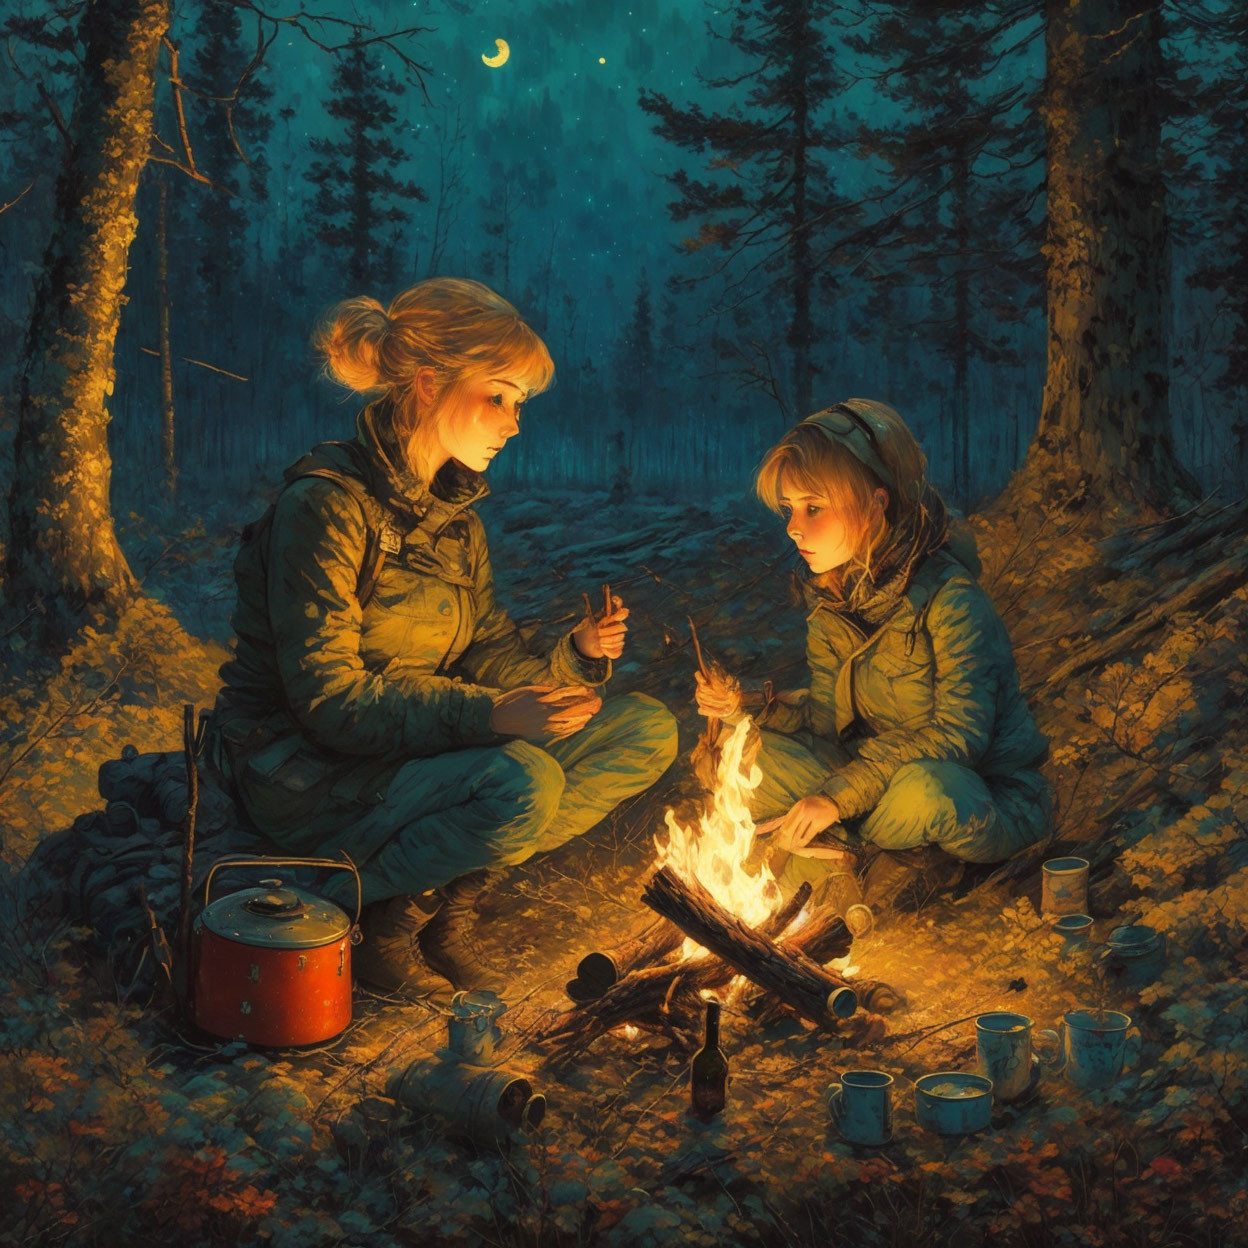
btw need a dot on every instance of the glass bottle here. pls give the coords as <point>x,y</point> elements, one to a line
<point>708,1075</point>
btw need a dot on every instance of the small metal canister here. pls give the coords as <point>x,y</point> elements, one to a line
<point>472,1031</point>
<point>1134,955</point>
<point>493,1107</point>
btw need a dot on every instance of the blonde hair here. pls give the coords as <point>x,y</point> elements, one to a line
<point>459,328</point>
<point>810,459</point>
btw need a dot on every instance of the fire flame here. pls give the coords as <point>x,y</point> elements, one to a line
<point>716,850</point>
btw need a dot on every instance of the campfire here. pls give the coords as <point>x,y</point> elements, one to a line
<point>716,850</point>
<point>725,929</point>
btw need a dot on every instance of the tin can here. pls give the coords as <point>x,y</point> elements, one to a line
<point>1064,886</point>
<point>1134,955</point>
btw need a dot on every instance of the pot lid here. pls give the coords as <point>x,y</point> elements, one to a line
<point>276,917</point>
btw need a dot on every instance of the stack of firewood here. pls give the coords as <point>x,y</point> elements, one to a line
<point>646,981</point>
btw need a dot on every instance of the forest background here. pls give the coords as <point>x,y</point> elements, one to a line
<point>626,180</point>
<point>1021,223</point>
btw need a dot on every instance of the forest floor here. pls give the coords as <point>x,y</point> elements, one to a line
<point>113,1125</point>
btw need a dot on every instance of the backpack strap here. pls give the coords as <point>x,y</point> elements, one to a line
<point>377,537</point>
<point>374,535</point>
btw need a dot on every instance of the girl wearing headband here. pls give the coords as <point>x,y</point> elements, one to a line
<point>913,746</point>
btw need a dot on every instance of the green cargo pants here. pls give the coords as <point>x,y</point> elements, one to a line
<point>489,806</point>
<point>972,817</point>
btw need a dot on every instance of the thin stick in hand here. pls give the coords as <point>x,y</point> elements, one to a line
<point>697,648</point>
<point>711,732</point>
<point>606,600</point>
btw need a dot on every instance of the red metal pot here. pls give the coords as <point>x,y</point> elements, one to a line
<point>272,965</point>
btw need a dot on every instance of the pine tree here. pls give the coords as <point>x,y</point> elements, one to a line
<point>633,387</point>
<point>358,192</point>
<point>1223,217</point>
<point>767,201</point>
<point>964,164</point>
<point>225,135</point>
<point>65,555</point>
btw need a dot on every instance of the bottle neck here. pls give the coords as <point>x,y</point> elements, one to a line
<point>712,1024</point>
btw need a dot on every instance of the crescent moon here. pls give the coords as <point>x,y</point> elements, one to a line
<point>504,51</point>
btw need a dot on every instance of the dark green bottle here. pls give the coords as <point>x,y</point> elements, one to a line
<point>708,1075</point>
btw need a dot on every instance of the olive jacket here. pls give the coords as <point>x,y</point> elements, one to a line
<point>936,680</point>
<point>319,683</point>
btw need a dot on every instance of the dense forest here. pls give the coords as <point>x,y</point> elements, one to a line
<point>748,214</point>
<point>1021,223</point>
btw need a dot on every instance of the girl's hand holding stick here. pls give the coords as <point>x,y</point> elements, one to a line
<point>603,636</point>
<point>718,697</point>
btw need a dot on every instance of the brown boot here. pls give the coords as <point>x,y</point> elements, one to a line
<point>389,958</point>
<point>449,940</point>
<point>906,879</point>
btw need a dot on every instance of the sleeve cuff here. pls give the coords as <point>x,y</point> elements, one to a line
<point>569,666</point>
<point>848,801</point>
<point>475,716</point>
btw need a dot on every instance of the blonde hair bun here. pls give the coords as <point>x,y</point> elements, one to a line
<point>454,325</point>
<point>351,340</point>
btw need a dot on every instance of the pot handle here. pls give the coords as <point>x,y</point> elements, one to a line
<point>235,860</point>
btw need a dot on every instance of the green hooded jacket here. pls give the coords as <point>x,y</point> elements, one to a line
<point>319,683</point>
<point>934,680</point>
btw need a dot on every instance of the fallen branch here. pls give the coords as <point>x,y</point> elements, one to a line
<point>1210,585</point>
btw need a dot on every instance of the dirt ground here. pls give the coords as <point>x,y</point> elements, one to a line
<point>115,1124</point>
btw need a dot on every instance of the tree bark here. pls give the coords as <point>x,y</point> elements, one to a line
<point>1104,428</point>
<point>799,982</point>
<point>64,551</point>
<point>166,347</point>
<point>598,971</point>
<point>961,422</point>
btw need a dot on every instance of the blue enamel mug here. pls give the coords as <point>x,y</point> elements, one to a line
<point>1097,1046</point>
<point>862,1106</point>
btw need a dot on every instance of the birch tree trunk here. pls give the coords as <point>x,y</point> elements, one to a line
<point>1105,423</point>
<point>64,553</point>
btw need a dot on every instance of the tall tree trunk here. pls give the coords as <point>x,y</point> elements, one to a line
<point>166,345</point>
<point>962,324</point>
<point>64,551</point>
<point>801,265</point>
<point>1105,424</point>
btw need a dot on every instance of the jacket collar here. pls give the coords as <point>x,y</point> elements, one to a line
<point>431,505</point>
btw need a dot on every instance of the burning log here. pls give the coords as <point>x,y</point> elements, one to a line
<point>801,983</point>
<point>647,995</point>
<point>597,972</point>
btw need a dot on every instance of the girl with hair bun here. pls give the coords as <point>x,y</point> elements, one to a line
<point>380,701</point>
<point>912,750</point>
